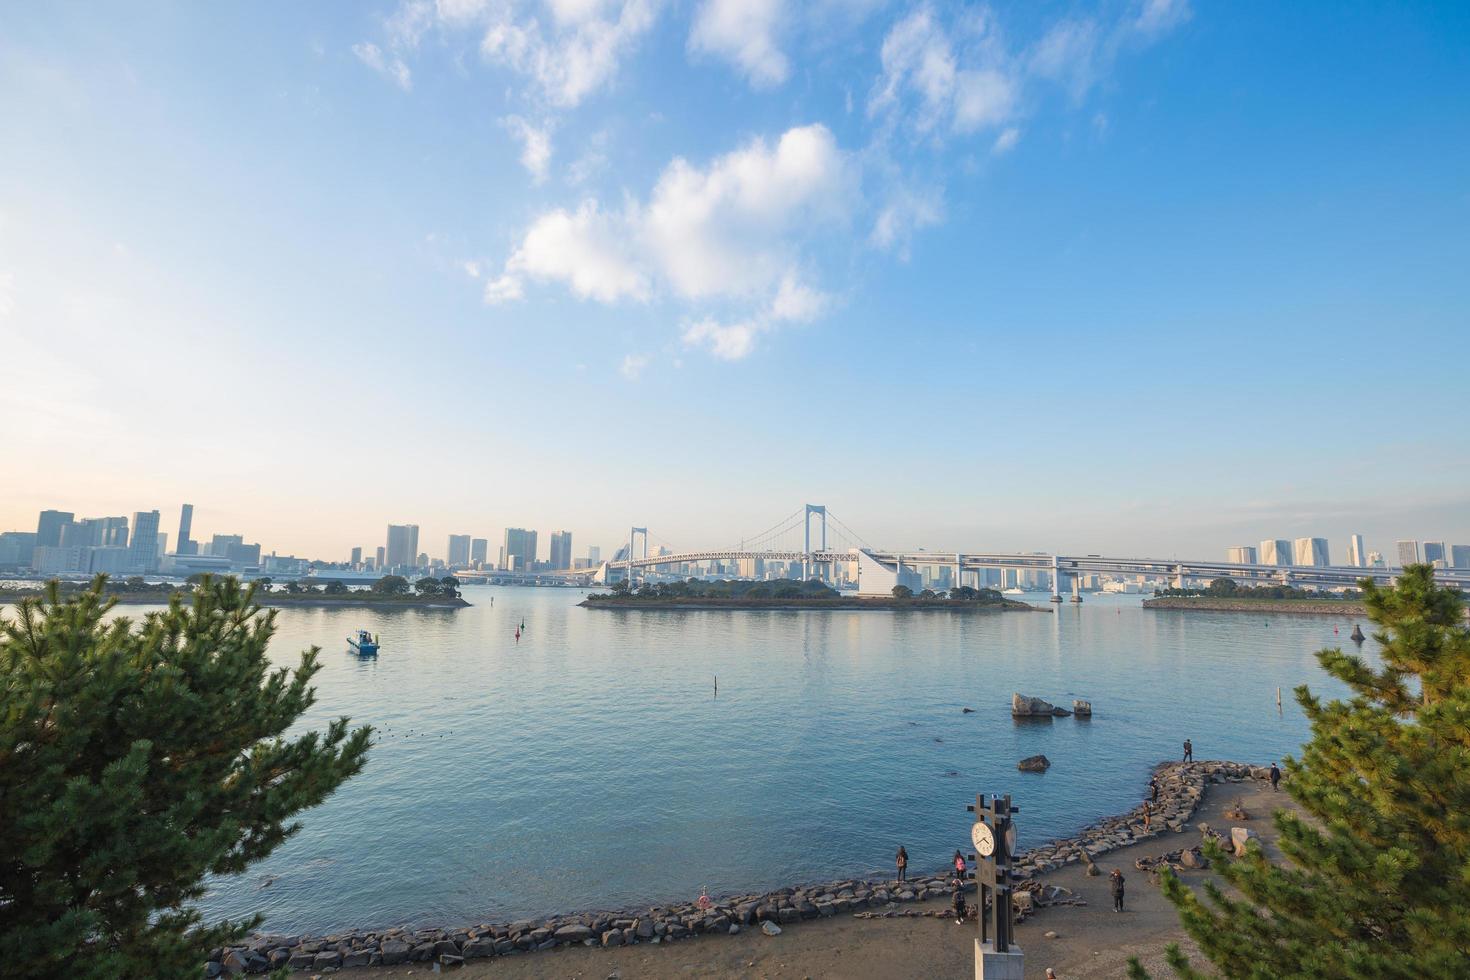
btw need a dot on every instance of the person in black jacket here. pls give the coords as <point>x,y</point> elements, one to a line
<point>1116,879</point>
<point>959,900</point>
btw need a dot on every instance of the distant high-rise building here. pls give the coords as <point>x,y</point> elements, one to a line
<point>520,549</point>
<point>16,548</point>
<point>48,528</point>
<point>356,557</point>
<point>143,550</point>
<point>162,547</point>
<point>380,559</point>
<point>1275,551</point>
<point>561,549</point>
<point>459,550</point>
<point>1408,553</point>
<point>1357,558</point>
<point>220,544</point>
<point>1310,551</point>
<point>1460,556</point>
<point>594,555</point>
<point>1375,560</point>
<point>1242,554</point>
<point>479,551</point>
<point>1435,553</point>
<point>184,544</point>
<point>403,544</point>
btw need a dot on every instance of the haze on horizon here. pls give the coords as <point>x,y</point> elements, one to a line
<point>1135,277</point>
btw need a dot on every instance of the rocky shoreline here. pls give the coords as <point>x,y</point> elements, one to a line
<point>1181,789</point>
<point>1305,607</point>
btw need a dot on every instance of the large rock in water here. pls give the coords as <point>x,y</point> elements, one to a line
<point>1035,763</point>
<point>1082,709</point>
<point>1024,707</point>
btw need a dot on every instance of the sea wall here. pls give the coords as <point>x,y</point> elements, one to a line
<point>1305,607</point>
<point>1181,788</point>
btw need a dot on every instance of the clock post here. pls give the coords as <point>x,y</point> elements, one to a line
<point>997,957</point>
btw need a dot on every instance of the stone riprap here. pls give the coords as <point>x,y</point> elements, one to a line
<point>1181,787</point>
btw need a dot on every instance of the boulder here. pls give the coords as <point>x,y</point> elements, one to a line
<point>446,946</point>
<point>327,959</point>
<point>770,928</point>
<point>1194,858</point>
<point>573,933</point>
<point>1082,709</point>
<point>613,937</point>
<point>1239,836</point>
<point>1024,707</point>
<point>1034,763</point>
<point>234,962</point>
<point>644,928</point>
<point>394,951</point>
<point>359,957</point>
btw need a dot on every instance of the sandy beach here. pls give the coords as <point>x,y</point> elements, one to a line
<point>1089,941</point>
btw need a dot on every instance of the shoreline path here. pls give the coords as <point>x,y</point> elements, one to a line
<point>1089,940</point>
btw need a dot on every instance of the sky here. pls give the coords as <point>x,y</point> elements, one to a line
<point>1142,277</point>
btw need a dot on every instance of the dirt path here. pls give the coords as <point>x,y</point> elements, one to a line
<point>1091,941</point>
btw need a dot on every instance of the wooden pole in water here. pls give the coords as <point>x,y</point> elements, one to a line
<point>1278,697</point>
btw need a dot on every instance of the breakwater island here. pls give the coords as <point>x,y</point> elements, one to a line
<point>1306,607</point>
<point>697,594</point>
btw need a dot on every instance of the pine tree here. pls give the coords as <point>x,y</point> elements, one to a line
<point>137,758</point>
<point>1378,880</point>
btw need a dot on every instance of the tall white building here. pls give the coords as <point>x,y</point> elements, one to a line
<point>1276,551</point>
<point>1310,551</point>
<point>1408,553</point>
<point>1242,554</point>
<point>1356,556</point>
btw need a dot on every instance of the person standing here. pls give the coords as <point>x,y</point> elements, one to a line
<point>1116,879</point>
<point>902,860</point>
<point>1188,750</point>
<point>959,865</point>
<point>1153,790</point>
<point>1275,776</point>
<point>1148,814</point>
<point>958,900</point>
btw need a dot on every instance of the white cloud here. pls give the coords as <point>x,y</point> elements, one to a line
<point>389,65</point>
<point>906,210</point>
<point>580,50</point>
<point>633,365</point>
<point>586,249</point>
<point>1157,17</point>
<point>743,33</point>
<point>729,232</point>
<point>535,145</point>
<point>1006,141</point>
<point>1068,54</point>
<point>968,91</point>
<point>471,268</point>
<point>503,289</point>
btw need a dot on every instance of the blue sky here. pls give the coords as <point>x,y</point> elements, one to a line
<point>1142,277</point>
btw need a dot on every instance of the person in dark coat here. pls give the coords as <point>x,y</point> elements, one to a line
<point>958,900</point>
<point>1116,879</point>
<point>1153,791</point>
<point>1275,776</point>
<point>1188,750</point>
<point>902,860</point>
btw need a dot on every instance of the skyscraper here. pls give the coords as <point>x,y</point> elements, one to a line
<point>143,550</point>
<point>356,557</point>
<point>1408,553</point>
<point>403,544</point>
<point>594,555</point>
<point>561,549</point>
<point>1275,551</point>
<point>48,528</point>
<point>380,559</point>
<point>1357,557</point>
<point>1460,556</point>
<point>520,549</point>
<point>1241,555</point>
<point>1310,551</point>
<point>184,544</point>
<point>459,550</point>
<point>1435,551</point>
<point>479,551</point>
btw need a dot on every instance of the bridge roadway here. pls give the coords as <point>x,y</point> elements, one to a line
<point>1176,571</point>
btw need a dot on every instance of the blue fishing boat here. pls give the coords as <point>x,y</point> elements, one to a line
<point>366,643</point>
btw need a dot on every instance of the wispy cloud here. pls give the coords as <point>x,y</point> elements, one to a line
<point>390,66</point>
<point>743,32</point>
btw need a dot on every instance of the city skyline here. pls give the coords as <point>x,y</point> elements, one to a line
<point>1040,297</point>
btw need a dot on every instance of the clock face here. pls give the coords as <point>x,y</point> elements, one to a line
<point>983,839</point>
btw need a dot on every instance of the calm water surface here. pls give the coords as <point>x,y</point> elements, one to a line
<point>590,765</point>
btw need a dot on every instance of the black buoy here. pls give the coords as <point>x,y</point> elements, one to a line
<point>1357,634</point>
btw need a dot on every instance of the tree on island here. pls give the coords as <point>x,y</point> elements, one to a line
<point>391,585</point>
<point>902,592</point>
<point>1378,882</point>
<point>449,585</point>
<point>137,758</point>
<point>426,587</point>
<point>334,588</point>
